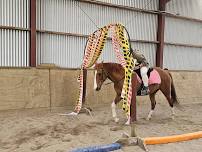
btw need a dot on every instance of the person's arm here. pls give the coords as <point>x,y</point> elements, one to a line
<point>138,56</point>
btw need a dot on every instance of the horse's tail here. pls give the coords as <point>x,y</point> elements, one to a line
<point>173,91</point>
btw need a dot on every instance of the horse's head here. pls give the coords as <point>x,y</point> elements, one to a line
<point>100,76</point>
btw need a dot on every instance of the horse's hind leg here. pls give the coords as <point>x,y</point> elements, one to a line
<point>167,93</point>
<point>113,106</point>
<point>153,104</point>
<point>153,90</point>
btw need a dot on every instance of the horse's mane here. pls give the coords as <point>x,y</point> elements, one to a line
<point>114,67</point>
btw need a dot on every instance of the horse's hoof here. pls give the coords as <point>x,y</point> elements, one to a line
<point>71,114</point>
<point>116,120</point>
<point>148,118</point>
<point>127,123</point>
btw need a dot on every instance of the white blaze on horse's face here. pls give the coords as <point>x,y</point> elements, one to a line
<point>95,82</point>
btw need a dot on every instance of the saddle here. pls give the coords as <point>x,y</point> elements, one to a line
<point>153,75</point>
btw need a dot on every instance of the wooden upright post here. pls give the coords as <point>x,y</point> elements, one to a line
<point>84,86</point>
<point>133,108</point>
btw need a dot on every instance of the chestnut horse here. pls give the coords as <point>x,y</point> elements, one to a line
<point>115,73</point>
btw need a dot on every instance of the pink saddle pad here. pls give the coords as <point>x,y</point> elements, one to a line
<point>153,79</point>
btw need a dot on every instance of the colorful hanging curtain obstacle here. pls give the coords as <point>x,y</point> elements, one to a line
<point>93,49</point>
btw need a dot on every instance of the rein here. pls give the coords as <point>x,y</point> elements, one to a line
<point>108,83</point>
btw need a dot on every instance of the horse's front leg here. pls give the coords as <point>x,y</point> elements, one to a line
<point>113,106</point>
<point>128,121</point>
<point>114,115</point>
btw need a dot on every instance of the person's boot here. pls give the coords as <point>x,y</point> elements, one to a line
<point>145,91</point>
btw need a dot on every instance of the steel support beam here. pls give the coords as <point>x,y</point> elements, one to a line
<point>160,33</point>
<point>32,33</point>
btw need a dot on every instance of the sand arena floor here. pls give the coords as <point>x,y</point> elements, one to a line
<point>39,130</point>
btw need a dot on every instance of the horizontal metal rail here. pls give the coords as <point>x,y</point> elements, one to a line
<point>182,17</point>
<point>183,44</point>
<point>86,36</point>
<point>14,28</point>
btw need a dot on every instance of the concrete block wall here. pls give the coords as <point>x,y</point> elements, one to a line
<point>35,88</point>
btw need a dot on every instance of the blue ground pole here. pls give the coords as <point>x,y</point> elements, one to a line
<point>101,148</point>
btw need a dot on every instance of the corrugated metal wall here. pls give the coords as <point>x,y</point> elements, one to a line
<point>189,8</point>
<point>182,58</point>
<point>14,13</point>
<point>14,48</point>
<point>181,31</point>
<point>64,51</point>
<point>14,44</point>
<point>142,4</point>
<point>147,49</point>
<point>67,16</point>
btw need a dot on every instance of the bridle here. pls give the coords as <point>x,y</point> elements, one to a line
<point>109,77</point>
